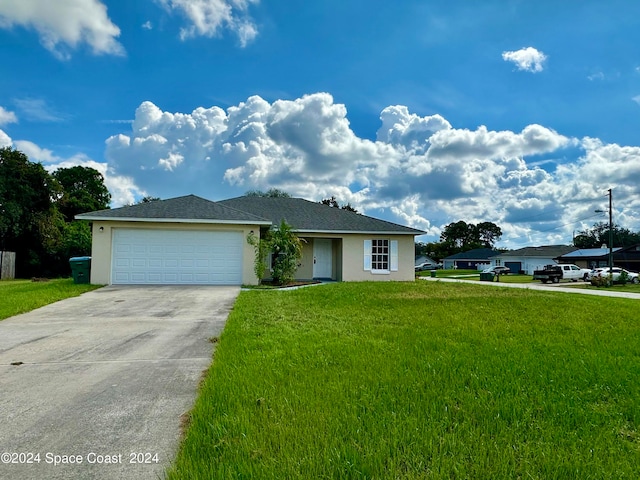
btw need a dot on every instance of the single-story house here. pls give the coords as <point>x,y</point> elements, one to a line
<point>528,259</point>
<point>625,257</point>
<point>420,259</point>
<point>587,257</point>
<point>191,240</point>
<point>469,259</point>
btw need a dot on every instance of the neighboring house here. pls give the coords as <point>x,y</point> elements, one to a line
<point>191,240</point>
<point>625,257</point>
<point>420,259</point>
<point>528,259</point>
<point>470,259</point>
<point>587,257</point>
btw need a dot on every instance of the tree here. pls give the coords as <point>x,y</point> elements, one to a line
<point>83,190</point>
<point>29,221</point>
<point>145,199</point>
<point>433,250</point>
<point>488,233</point>
<point>261,249</point>
<point>466,236</point>
<point>286,249</point>
<point>599,235</point>
<point>458,235</point>
<point>332,202</point>
<point>287,252</point>
<point>272,192</point>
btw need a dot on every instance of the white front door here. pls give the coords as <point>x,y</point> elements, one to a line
<point>322,258</point>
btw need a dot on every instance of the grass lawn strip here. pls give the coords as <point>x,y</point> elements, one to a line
<point>21,296</point>
<point>415,380</point>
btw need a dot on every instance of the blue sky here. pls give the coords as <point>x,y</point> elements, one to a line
<point>422,113</point>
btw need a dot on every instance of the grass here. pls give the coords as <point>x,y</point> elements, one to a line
<point>475,275</point>
<point>419,380</point>
<point>20,296</point>
<point>629,287</point>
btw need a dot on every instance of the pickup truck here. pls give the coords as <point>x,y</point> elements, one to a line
<point>555,273</point>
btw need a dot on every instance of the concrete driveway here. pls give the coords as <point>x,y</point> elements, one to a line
<point>98,383</point>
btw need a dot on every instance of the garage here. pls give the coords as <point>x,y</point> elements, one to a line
<point>176,257</point>
<point>515,267</point>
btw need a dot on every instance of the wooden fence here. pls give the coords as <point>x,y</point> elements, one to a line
<point>7,265</point>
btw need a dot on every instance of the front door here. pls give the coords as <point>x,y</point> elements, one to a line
<point>322,261</point>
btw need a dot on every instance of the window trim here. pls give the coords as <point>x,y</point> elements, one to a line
<point>392,257</point>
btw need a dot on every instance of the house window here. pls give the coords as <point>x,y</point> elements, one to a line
<point>381,255</point>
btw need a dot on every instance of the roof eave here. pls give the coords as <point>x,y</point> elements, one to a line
<point>362,232</point>
<point>96,218</point>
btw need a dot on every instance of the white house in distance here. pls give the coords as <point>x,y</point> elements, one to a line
<point>528,259</point>
<point>191,240</point>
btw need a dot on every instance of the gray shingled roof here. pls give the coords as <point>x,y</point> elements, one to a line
<point>475,254</point>
<point>189,207</point>
<point>590,252</point>
<point>550,251</point>
<point>301,214</point>
<point>306,216</point>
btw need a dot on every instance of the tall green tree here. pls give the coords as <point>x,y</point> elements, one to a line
<point>461,236</point>
<point>487,234</point>
<point>599,235</point>
<point>83,190</point>
<point>30,223</point>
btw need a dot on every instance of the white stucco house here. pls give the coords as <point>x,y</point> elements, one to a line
<point>191,240</point>
<point>528,259</point>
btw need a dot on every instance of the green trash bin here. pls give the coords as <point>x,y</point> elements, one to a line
<point>80,269</point>
<point>433,273</point>
<point>486,276</point>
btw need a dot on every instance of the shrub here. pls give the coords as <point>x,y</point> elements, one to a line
<point>623,278</point>
<point>287,252</point>
<point>601,281</point>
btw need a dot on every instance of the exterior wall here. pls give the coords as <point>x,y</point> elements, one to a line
<point>529,264</point>
<point>305,270</point>
<point>348,258</point>
<point>353,259</point>
<point>101,245</point>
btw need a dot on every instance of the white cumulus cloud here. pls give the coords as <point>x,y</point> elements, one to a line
<point>209,18</point>
<point>7,116</point>
<point>5,140</point>
<point>528,59</point>
<point>123,189</point>
<point>420,170</point>
<point>63,25</point>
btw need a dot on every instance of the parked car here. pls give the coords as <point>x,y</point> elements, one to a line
<point>497,270</point>
<point>632,277</point>
<point>561,271</point>
<point>426,266</point>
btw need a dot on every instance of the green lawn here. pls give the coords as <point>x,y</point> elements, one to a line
<point>475,275</point>
<point>419,380</point>
<point>20,296</point>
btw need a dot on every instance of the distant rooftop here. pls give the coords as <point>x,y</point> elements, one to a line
<point>590,252</point>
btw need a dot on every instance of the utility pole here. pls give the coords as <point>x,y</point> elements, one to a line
<point>610,236</point>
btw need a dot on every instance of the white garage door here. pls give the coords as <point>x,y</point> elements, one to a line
<point>176,257</point>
